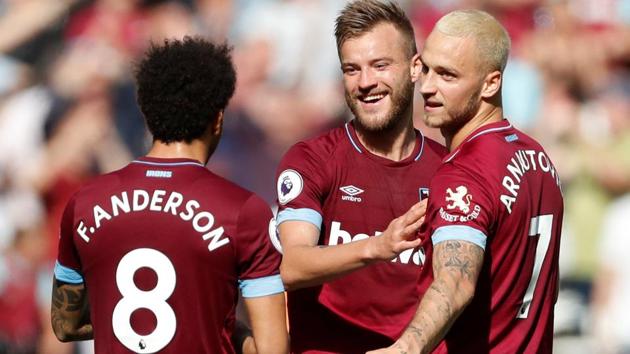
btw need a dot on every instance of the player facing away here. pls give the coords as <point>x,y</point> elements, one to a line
<point>339,192</point>
<point>152,256</point>
<point>495,211</point>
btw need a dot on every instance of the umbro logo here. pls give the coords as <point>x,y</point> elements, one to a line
<point>351,193</point>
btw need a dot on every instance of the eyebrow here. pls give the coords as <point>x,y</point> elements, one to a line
<point>440,67</point>
<point>372,61</point>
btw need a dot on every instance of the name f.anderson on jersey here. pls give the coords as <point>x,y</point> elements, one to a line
<point>159,201</point>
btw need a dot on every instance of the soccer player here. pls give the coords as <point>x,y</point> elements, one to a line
<point>160,248</point>
<point>337,191</point>
<point>495,211</point>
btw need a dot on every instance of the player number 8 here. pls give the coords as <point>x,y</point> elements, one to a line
<point>153,300</point>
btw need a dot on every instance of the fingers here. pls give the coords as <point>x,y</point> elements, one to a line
<point>411,244</point>
<point>414,226</point>
<point>416,211</point>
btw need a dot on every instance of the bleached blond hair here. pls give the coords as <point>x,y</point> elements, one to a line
<point>491,38</point>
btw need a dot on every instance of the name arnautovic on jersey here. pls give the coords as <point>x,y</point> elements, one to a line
<point>202,221</point>
<point>523,162</point>
<point>340,236</point>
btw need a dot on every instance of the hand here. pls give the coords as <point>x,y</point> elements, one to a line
<point>400,234</point>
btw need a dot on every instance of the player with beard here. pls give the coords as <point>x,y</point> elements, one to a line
<point>495,212</point>
<point>340,190</point>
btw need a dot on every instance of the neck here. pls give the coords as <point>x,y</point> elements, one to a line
<point>484,116</point>
<point>395,144</point>
<point>196,150</point>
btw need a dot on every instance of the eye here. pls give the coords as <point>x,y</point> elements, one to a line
<point>448,76</point>
<point>349,70</point>
<point>424,69</point>
<point>381,65</point>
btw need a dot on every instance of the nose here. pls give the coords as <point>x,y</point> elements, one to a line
<point>367,80</point>
<point>427,84</point>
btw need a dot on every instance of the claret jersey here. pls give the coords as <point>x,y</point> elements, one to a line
<point>333,182</point>
<point>500,190</point>
<point>163,246</point>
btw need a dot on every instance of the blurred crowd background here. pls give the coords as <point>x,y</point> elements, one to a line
<point>68,112</point>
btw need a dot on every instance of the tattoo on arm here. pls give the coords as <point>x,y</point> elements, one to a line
<point>69,312</point>
<point>456,266</point>
<point>464,257</point>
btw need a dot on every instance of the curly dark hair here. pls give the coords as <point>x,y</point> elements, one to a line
<point>182,87</point>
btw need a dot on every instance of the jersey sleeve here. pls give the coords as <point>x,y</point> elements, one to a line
<point>300,186</point>
<point>460,207</point>
<point>258,260</point>
<point>68,264</point>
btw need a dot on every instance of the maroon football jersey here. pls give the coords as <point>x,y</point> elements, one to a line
<point>335,183</point>
<point>499,190</point>
<point>163,246</point>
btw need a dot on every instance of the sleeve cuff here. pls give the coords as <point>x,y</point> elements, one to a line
<point>303,214</point>
<point>67,275</point>
<point>460,233</point>
<point>261,286</point>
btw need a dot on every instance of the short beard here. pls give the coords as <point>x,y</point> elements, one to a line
<point>401,104</point>
<point>464,115</point>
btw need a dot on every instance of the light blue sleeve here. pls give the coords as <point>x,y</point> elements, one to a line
<point>67,275</point>
<point>460,233</point>
<point>303,214</point>
<point>261,286</point>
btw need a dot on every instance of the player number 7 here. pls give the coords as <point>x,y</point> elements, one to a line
<point>539,225</point>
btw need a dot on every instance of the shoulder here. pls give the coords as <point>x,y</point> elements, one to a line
<point>318,148</point>
<point>209,183</point>
<point>98,185</point>
<point>480,154</point>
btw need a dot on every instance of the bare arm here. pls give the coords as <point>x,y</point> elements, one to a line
<point>267,316</point>
<point>304,263</point>
<point>456,267</point>
<point>70,312</point>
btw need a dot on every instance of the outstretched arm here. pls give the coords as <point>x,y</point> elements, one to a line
<point>456,267</point>
<point>305,263</point>
<point>70,312</point>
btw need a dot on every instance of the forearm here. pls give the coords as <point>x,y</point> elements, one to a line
<point>443,302</point>
<point>304,263</point>
<point>70,312</point>
<point>67,333</point>
<point>304,266</point>
<point>456,267</point>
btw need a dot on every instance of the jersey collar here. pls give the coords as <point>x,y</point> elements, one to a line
<point>166,162</point>
<point>356,144</point>
<point>483,130</point>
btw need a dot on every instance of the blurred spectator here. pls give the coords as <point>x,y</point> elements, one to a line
<point>612,283</point>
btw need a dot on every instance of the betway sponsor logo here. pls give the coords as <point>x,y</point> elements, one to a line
<point>350,193</point>
<point>340,236</point>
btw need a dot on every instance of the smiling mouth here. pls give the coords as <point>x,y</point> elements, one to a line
<point>373,98</point>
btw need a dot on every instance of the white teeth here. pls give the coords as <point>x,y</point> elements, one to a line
<point>372,98</point>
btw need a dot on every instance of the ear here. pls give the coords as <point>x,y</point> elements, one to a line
<point>415,67</point>
<point>491,84</point>
<point>217,127</point>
